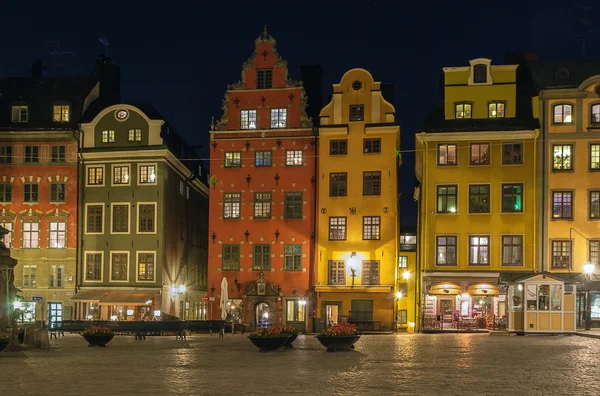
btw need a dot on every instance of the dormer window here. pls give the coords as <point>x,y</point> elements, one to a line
<point>264,79</point>
<point>496,110</point>
<point>480,74</point>
<point>62,113</point>
<point>463,110</point>
<point>563,114</point>
<point>357,112</point>
<point>595,114</point>
<point>20,113</point>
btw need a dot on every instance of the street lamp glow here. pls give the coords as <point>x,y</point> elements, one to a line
<point>411,324</point>
<point>302,302</point>
<point>406,275</point>
<point>588,268</point>
<point>148,302</point>
<point>453,210</point>
<point>399,295</point>
<point>520,287</point>
<point>182,289</point>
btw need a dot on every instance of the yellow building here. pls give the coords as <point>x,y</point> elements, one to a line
<point>407,293</point>
<point>569,108</point>
<point>357,206</point>
<point>476,164</point>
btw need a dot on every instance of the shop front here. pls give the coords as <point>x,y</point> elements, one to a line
<point>118,305</point>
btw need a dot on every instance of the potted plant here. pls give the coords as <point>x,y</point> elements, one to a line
<point>4,341</point>
<point>339,337</point>
<point>269,339</point>
<point>97,336</point>
<point>292,332</point>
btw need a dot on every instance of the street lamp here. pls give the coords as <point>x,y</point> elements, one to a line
<point>588,269</point>
<point>406,275</point>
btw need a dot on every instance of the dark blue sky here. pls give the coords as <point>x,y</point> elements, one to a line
<point>180,58</point>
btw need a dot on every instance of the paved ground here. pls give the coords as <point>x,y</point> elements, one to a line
<point>437,364</point>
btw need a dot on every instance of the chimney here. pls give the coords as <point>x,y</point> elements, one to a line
<point>109,76</point>
<point>39,69</point>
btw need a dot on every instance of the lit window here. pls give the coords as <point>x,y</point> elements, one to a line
<point>58,234</point>
<point>480,154</point>
<point>371,227</point>
<point>512,250</point>
<point>512,198</point>
<point>233,159</point>
<point>562,158</point>
<point>594,205</point>
<point>20,113</point>
<point>278,118</point>
<point>561,254</point>
<point>496,110</point>
<point>403,262</point>
<point>594,156</point>
<point>562,204</point>
<point>447,154</point>
<point>135,135</point>
<point>595,114</point>
<point>95,176</point>
<point>447,198</point>
<point>231,205</point>
<point>62,113</point>
<point>337,272</point>
<point>121,174</point>
<point>446,250</point>
<point>262,205</point>
<point>337,228</point>
<point>479,250</point>
<point>263,159</point>
<point>8,225</point>
<point>147,174</point>
<point>145,266</point>
<point>563,114</point>
<point>108,136</point>
<point>248,119</point>
<point>463,110</point>
<point>30,234</point>
<point>293,158</point>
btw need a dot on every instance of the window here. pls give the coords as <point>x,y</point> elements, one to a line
<point>293,205</point>
<point>479,198</point>
<point>372,183</point>
<point>95,176</point>
<point>20,113</point>
<point>446,250</point>
<point>337,228</point>
<point>403,262</point>
<point>371,227</point>
<point>293,158</point>
<point>58,192</point>
<point>512,250</point>
<point>135,135</point>
<point>561,254</point>
<point>58,153</point>
<point>94,219</point>
<point>119,264</point>
<point>5,154</point>
<point>231,257</point>
<point>480,154</point>
<point>338,184</point>
<point>248,119</point>
<point>120,218</point>
<point>463,110</point>
<point>30,234</point>
<point>30,192</point>
<point>5,192</point>
<point>181,187</point>
<point>261,257</point>
<point>263,159</point>
<point>402,315</point>
<point>595,114</point>
<point>57,277</point>
<point>594,156</point>
<point>562,157</point>
<point>231,205</point>
<point>264,79</point>
<point>480,74</point>
<point>8,225</point>
<point>511,153</point>
<point>370,272</point>
<point>447,154</point>
<point>594,252</point>
<point>337,272</point>
<point>512,197</point>
<point>594,205</point>
<point>93,264</point>
<point>496,110</point>
<point>408,239</point>
<point>371,146</point>
<point>233,159</point>
<point>147,218</point>
<point>187,192</point>
<point>61,113</point>
<point>146,263</point>
<point>479,250</point>
<point>278,118</point>
<point>292,257</point>
<point>338,147</point>
<point>357,112</point>
<point>147,174</point>
<point>58,234</point>
<point>121,174</point>
<point>262,205</point>
<point>447,198</point>
<point>562,204</point>
<point>563,114</point>
<point>30,276</point>
<point>108,136</point>
<point>32,154</point>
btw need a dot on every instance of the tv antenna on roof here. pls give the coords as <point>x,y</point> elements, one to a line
<point>104,43</point>
<point>59,55</point>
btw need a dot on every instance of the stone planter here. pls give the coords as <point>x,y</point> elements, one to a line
<point>265,344</point>
<point>3,345</point>
<point>98,340</point>
<point>290,340</point>
<point>338,343</point>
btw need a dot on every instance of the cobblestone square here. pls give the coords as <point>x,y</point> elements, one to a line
<point>444,364</point>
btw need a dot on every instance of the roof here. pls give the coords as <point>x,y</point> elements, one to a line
<point>521,276</point>
<point>562,74</point>
<point>97,106</point>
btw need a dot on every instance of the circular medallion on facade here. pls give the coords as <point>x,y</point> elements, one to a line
<point>122,115</point>
<point>356,85</point>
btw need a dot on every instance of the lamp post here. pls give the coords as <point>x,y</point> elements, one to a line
<point>588,270</point>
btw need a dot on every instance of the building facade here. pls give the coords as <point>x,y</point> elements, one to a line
<point>476,163</point>
<point>407,288</point>
<point>262,196</point>
<point>143,223</point>
<point>38,186</point>
<point>357,206</point>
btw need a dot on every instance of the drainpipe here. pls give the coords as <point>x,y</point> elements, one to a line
<point>79,235</point>
<point>542,238</point>
<point>313,265</point>
<point>535,202</point>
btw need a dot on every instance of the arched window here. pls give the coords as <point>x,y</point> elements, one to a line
<point>595,114</point>
<point>480,74</point>
<point>563,114</point>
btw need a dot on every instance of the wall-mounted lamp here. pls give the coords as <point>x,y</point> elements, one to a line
<point>214,145</point>
<point>247,144</point>
<point>276,179</point>
<point>279,143</point>
<point>406,275</point>
<point>353,254</point>
<point>214,236</point>
<point>399,295</point>
<point>237,284</point>
<point>247,234</point>
<point>248,179</point>
<point>588,269</point>
<point>277,234</point>
<point>212,290</point>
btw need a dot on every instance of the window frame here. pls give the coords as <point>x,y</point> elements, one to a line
<point>343,226</point>
<point>246,119</point>
<point>571,167</point>
<point>102,218</point>
<point>111,266</point>
<point>594,106</point>
<point>34,156</point>
<point>337,184</point>
<point>591,244</point>
<point>31,193</point>
<point>278,112</point>
<point>590,203</point>
<point>497,102</point>
<point>228,198</point>
<point>367,268</point>
<point>31,231</point>
<point>287,201</point>
<point>140,180</point>
<point>261,201</point>
<point>479,195</point>
<point>489,153</point>
<point>58,157</point>
<point>447,146</point>
<point>571,195</point>
<point>6,154</point>
<point>479,245</point>
<point>464,111</point>
<point>338,147</point>
<point>591,156</point>
<point>138,262</point>
<point>19,113</point>
<point>374,143</point>
<point>504,245</point>
<point>234,259</point>
<point>108,136</point>
<point>114,167</point>
<point>264,78</point>
<point>133,135</point>
<point>372,186</point>
<point>371,226</point>
<point>56,273</point>
<point>291,158</point>
<point>562,106</point>
<point>478,69</point>
<point>139,218</point>
<point>6,192</point>
<point>63,116</point>
<point>437,199</point>
<point>32,272</point>
<point>86,263</point>
<point>88,168</point>
<point>446,245</point>
<point>356,113</point>
<point>53,198</point>
<point>552,256</point>
<point>112,218</point>
<point>512,143</point>
<point>502,195</point>
<point>339,278</point>
<point>262,255</point>
<point>293,255</point>
<point>262,153</point>
<point>235,160</point>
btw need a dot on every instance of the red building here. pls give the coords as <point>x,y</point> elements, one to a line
<point>262,194</point>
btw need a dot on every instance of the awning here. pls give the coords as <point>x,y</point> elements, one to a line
<point>445,288</point>
<point>132,297</point>
<point>89,295</point>
<point>483,289</point>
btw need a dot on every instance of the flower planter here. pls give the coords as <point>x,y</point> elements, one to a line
<point>291,339</point>
<point>342,343</point>
<point>3,345</point>
<point>98,340</point>
<point>265,344</point>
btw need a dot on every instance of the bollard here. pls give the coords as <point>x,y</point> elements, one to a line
<point>41,339</point>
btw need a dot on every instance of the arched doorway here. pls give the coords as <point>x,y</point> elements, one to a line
<point>262,314</point>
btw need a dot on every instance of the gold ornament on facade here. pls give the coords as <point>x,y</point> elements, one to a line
<point>222,123</point>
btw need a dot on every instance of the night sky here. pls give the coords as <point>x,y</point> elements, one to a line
<point>181,58</point>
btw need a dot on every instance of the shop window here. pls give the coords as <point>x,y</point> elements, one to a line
<point>479,250</point>
<point>261,257</point>
<point>512,153</point>
<point>337,272</point>
<point>480,154</point>
<point>233,159</point>
<point>338,147</point>
<point>370,272</point>
<point>594,205</point>
<point>562,157</point>
<point>231,258</point>
<point>563,114</point>
<point>262,205</point>
<point>595,114</point>
<point>447,154</point>
<point>338,184</point>
<point>248,119</point>
<point>372,183</point>
<point>496,110</point>
<point>446,250</point>
<point>594,157</point>
<point>562,205</point>
<point>293,205</point>
<point>231,205</point>
<point>263,159</point>
<point>512,250</point>
<point>479,198</point>
<point>512,198</point>
<point>447,198</point>
<point>463,110</point>
<point>561,254</point>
